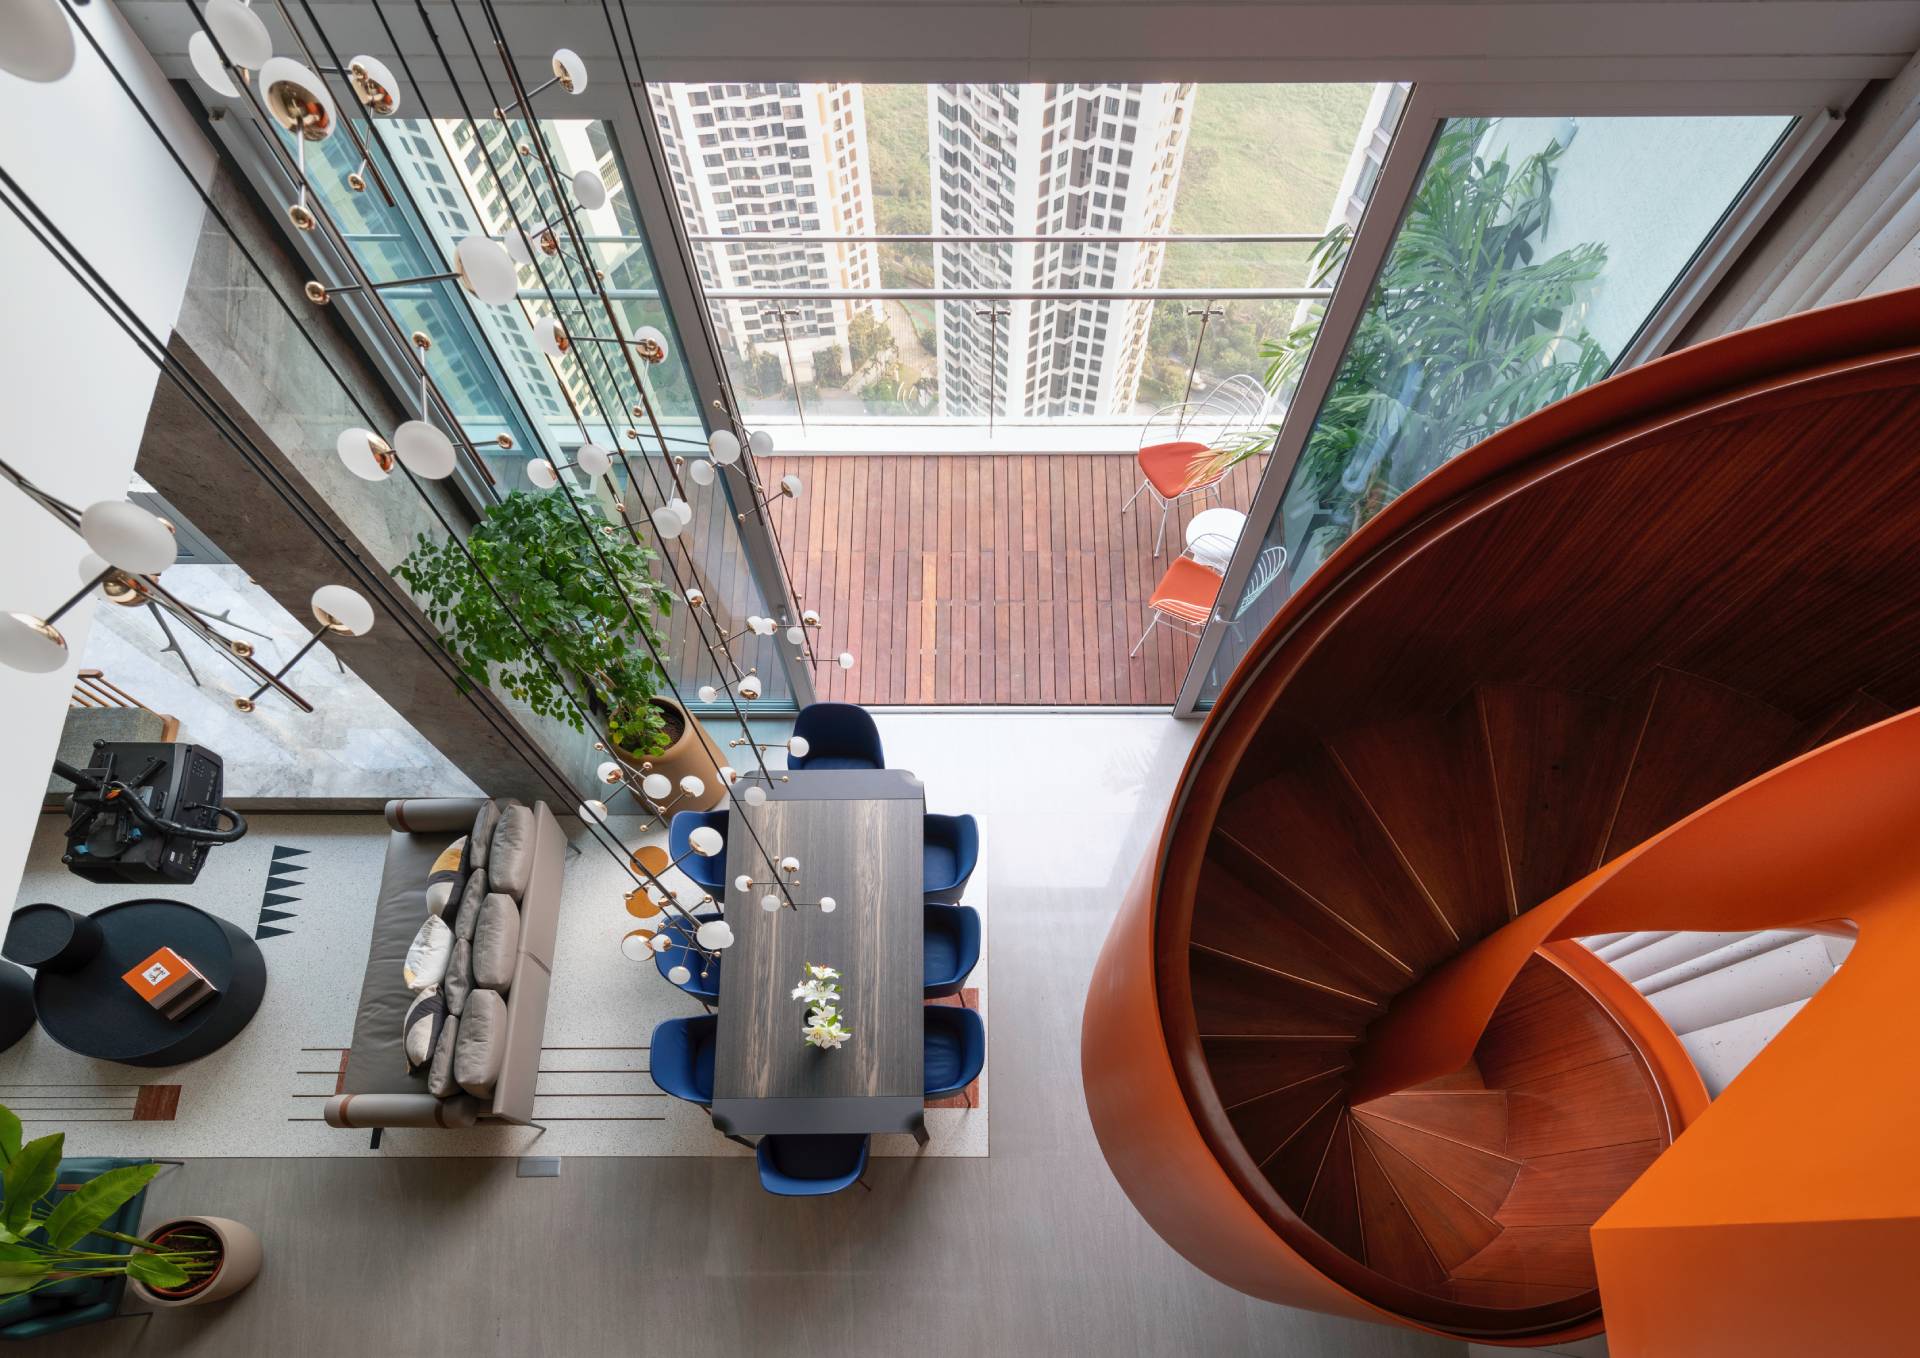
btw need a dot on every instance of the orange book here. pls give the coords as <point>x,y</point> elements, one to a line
<point>159,974</point>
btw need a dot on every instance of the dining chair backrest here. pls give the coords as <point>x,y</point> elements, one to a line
<point>839,736</point>
<point>955,1048</point>
<point>797,1166</point>
<point>703,972</point>
<point>951,852</point>
<point>710,873</point>
<point>680,1057</point>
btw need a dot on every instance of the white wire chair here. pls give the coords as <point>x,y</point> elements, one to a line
<point>1177,437</point>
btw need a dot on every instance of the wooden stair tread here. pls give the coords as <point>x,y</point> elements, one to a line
<point>1394,1244</point>
<point>1857,711</point>
<point>1231,996</point>
<point>1546,1024</point>
<point>1559,760</point>
<point>1353,870</point>
<point>1244,1068</point>
<point>1333,1206</point>
<point>1504,1296</point>
<point>1480,1176</point>
<point>1475,1117</point>
<point>1429,781</point>
<point>1576,1187</point>
<point>1605,1104</point>
<point>1697,740</point>
<point>1293,1168</point>
<point>1453,1228</point>
<point>1277,927</point>
<point>1264,1124</point>
<point>1556,1256</point>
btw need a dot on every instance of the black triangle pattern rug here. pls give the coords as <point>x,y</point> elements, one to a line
<point>283,873</point>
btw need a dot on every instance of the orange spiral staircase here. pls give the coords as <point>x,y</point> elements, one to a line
<point>1635,663</point>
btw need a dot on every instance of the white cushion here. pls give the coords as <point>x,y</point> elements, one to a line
<point>428,954</point>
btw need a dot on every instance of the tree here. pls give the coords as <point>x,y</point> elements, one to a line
<point>827,368</point>
<point>868,337</point>
<point>765,376</point>
<point>1464,331</point>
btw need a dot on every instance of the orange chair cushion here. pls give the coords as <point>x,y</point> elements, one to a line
<point>1187,590</point>
<point>1169,466</point>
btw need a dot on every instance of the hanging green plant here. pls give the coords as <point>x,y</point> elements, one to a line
<point>558,577</point>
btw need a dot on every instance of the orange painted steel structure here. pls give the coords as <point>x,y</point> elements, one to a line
<point>1785,1217</point>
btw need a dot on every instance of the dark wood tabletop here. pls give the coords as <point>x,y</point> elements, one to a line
<point>858,836</point>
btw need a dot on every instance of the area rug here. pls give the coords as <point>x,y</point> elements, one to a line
<point>304,887</point>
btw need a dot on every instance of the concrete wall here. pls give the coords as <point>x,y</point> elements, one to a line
<point>260,345</point>
<point>74,390</point>
<point>1649,189</point>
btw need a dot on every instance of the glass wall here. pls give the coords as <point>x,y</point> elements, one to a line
<point>451,179</point>
<point>1530,255</point>
<point>1100,220</point>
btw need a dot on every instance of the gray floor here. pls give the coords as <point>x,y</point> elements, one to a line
<point>1032,1250</point>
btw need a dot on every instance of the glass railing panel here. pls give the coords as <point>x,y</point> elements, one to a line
<point>1531,253</point>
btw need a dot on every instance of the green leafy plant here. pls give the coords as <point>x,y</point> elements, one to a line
<point>547,573</point>
<point>1465,330</point>
<point>40,1246</point>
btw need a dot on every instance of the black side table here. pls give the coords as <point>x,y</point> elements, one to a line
<point>89,1009</point>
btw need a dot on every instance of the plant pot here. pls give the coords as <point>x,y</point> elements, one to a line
<point>694,752</point>
<point>239,1263</point>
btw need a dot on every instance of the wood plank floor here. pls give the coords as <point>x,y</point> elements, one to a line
<point>965,578</point>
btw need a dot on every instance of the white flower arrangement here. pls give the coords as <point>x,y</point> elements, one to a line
<point>823,1027</point>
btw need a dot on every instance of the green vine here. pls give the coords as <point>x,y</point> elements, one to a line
<point>543,564</point>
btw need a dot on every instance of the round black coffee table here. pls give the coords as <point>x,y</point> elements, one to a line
<point>92,1011</point>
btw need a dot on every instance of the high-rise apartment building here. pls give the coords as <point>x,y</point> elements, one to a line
<point>777,158</point>
<point>1027,160</point>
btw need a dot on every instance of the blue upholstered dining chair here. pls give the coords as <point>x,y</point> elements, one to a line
<point>951,848</point>
<point>839,736</point>
<point>680,1058</point>
<point>710,874</point>
<point>812,1166</point>
<point>954,1050</point>
<point>951,947</point>
<point>705,988</point>
<point>76,1301</point>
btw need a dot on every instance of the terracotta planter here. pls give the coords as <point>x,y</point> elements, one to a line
<point>695,752</point>
<point>239,1263</point>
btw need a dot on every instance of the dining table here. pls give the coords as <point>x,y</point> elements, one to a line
<point>857,835</point>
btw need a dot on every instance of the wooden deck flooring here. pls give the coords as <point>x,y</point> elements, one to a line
<point>963,579</point>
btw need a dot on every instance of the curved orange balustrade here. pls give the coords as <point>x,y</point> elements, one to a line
<point>1804,1163</point>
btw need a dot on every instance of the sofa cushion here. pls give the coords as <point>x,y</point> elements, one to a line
<point>510,860</point>
<point>420,1033</point>
<point>463,917</point>
<point>482,1049</point>
<point>496,942</point>
<point>459,982</point>
<point>440,1081</point>
<point>481,837</point>
<point>447,874</point>
<point>428,955</point>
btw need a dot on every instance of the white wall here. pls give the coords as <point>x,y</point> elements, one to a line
<point>74,391</point>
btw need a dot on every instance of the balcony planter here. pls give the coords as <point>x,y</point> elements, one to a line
<point>239,1260</point>
<point>692,750</point>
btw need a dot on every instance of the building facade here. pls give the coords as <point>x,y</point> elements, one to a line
<point>1036,160</point>
<point>776,158</point>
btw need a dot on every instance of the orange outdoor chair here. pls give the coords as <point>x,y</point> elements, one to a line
<point>1186,594</point>
<point>1178,467</point>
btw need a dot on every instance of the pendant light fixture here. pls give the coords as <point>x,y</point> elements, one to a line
<point>36,42</point>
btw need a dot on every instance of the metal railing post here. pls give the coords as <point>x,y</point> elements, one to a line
<point>781,313</point>
<point>1205,313</point>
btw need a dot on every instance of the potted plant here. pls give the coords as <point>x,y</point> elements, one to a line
<point>568,586</point>
<point>186,1262</point>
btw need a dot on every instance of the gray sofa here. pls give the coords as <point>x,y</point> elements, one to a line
<point>377,1090</point>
